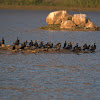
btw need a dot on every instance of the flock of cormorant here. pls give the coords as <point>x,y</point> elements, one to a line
<point>46,47</point>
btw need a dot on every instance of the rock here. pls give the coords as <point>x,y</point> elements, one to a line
<point>8,46</point>
<point>57,17</point>
<point>59,20</point>
<point>68,24</point>
<point>3,45</point>
<point>90,25</point>
<point>13,51</point>
<point>79,19</point>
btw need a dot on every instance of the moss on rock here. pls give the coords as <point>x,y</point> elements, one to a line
<point>77,28</point>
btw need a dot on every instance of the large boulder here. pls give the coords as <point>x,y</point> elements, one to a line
<point>57,17</point>
<point>90,25</point>
<point>68,24</point>
<point>80,19</point>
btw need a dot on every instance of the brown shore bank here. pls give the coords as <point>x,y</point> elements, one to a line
<point>33,7</point>
<point>57,28</point>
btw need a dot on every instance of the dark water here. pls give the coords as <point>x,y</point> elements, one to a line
<point>47,76</point>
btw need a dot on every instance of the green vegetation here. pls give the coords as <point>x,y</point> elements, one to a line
<point>64,3</point>
<point>56,27</point>
<point>51,27</point>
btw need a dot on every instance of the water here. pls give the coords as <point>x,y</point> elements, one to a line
<point>47,76</point>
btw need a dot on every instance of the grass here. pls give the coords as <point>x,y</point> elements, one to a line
<point>32,7</point>
<point>57,28</point>
<point>51,27</point>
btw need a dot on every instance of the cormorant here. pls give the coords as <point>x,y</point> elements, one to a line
<point>65,44</point>
<point>36,44</point>
<point>40,45</point>
<point>17,41</point>
<point>94,46</point>
<point>3,41</point>
<point>31,43</point>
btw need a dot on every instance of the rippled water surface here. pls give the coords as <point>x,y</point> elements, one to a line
<point>47,76</point>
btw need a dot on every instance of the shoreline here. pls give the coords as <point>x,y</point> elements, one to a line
<point>50,8</point>
<point>57,28</point>
<point>44,50</point>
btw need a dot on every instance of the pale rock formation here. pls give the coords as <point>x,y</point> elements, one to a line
<point>3,45</point>
<point>79,19</point>
<point>89,24</point>
<point>67,21</point>
<point>57,17</point>
<point>67,24</point>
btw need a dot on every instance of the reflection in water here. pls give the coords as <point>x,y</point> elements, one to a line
<point>47,76</point>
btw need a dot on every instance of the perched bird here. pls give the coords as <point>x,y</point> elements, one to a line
<point>3,41</point>
<point>17,42</point>
<point>64,45</point>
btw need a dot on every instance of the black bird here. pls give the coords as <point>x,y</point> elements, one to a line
<point>76,44</point>
<point>23,45</point>
<point>51,45</point>
<point>3,41</point>
<point>64,45</point>
<point>94,46</point>
<point>40,45</point>
<point>13,47</point>
<point>58,47</point>
<point>69,46</point>
<point>84,46</point>
<point>17,42</point>
<point>26,42</point>
<point>0,43</point>
<point>77,48</point>
<point>47,45</point>
<point>31,44</point>
<point>88,47</point>
<point>36,44</point>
